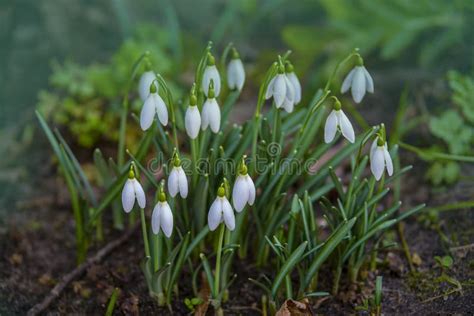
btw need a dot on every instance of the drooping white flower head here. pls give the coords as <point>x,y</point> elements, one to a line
<point>192,118</point>
<point>244,189</point>
<point>235,72</point>
<point>289,102</point>
<point>337,119</point>
<point>177,181</point>
<point>162,217</point>
<point>211,114</point>
<point>359,81</point>
<point>211,74</point>
<point>147,78</point>
<point>154,105</point>
<point>277,87</point>
<point>290,74</point>
<point>380,157</point>
<point>132,190</point>
<point>221,211</point>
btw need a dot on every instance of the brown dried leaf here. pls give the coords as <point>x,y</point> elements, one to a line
<point>416,259</point>
<point>205,295</point>
<point>16,259</point>
<point>295,308</point>
<point>130,305</point>
<point>46,279</point>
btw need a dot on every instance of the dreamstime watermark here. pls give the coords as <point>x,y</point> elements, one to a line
<point>268,161</point>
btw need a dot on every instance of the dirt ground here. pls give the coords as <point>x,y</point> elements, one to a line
<point>37,249</point>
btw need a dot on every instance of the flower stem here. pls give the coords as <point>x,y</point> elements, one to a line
<point>144,232</point>
<point>218,259</point>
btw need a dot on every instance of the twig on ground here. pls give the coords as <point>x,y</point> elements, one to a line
<point>79,270</point>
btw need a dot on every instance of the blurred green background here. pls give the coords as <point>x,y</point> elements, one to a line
<point>71,59</point>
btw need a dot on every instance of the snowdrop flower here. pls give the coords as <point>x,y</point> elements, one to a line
<point>235,72</point>
<point>244,189</point>
<point>192,119</point>
<point>154,105</point>
<point>211,74</point>
<point>359,80</point>
<point>132,190</point>
<point>211,114</point>
<point>177,181</point>
<point>277,88</point>
<point>221,211</point>
<point>147,78</point>
<point>338,120</point>
<point>380,157</point>
<point>290,74</point>
<point>162,217</point>
<point>289,102</point>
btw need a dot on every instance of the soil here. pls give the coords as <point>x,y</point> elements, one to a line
<point>37,249</point>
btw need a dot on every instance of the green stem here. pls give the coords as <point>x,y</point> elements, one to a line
<point>194,155</point>
<point>345,60</point>
<point>337,277</point>
<point>144,232</point>
<point>218,259</point>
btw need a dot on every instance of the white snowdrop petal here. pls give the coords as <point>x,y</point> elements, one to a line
<point>288,105</point>
<point>235,74</point>
<point>173,180</point>
<point>377,164</point>
<point>369,82</point>
<point>214,116</point>
<point>231,76</point>
<point>144,84</point>
<point>388,160</point>
<point>240,193</point>
<point>290,90</point>
<point>166,219</point>
<point>206,79</point>
<point>279,90</point>
<point>148,113</point>
<point>139,194</point>
<point>228,214</point>
<point>358,84</point>
<point>239,74</point>
<point>346,127</point>
<point>128,196</point>
<point>373,147</point>
<point>296,85</point>
<point>205,115</point>
<point>155,218</point>
<point>251,188</point>
<point>214,217</point>
<point>346,84</point>
<point>161,110</point>
<point>217,80</point>
<point>330,128</point>
<point>183,183</point>
<point>192,121</point>
<point>211,73</point>
<point>269,91</point>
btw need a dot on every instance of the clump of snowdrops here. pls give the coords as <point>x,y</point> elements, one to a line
<point>208,193</point>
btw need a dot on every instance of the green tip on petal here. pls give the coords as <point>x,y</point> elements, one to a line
<point>380,142</point>
<point>192,99</point>
<point>211,61</point>
<point>235,53</point>
<point>162,197</point>
<point>211,94</point>
<point>153,87</point>
<point>221,191</point>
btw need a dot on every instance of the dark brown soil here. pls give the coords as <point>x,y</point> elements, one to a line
<point>37,249</point>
